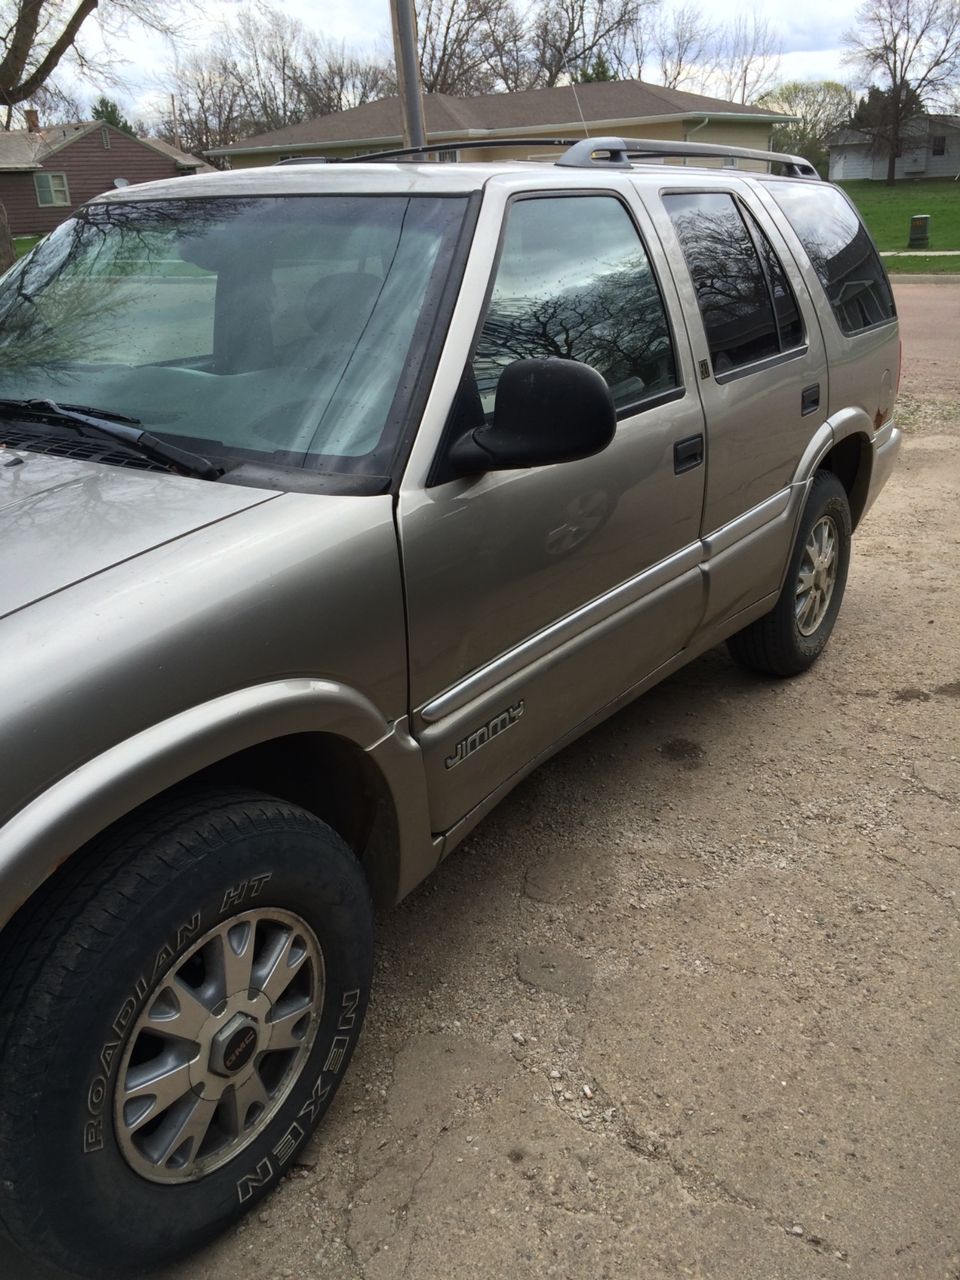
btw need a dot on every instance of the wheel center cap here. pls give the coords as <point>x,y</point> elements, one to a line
<point>234,1045</point>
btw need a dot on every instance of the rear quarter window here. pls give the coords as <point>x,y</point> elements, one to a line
<point>841,252</point>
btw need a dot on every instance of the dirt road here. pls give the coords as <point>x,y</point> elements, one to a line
<point>687,1005</point>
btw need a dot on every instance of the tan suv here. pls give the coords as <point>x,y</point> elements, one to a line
<point>333,499</point>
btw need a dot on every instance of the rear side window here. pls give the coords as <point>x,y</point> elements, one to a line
<point>748,308</point>
<point>784,300</point>
<point>841,252</point>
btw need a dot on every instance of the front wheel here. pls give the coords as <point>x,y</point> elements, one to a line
<point>174,1028</point>
<point>791,637</point>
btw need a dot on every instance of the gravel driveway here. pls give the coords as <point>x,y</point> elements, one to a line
<point>687,1004</point>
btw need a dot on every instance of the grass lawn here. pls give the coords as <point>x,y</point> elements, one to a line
<point>23,244</point>
<point>887,212</point>
<point>918,264</point>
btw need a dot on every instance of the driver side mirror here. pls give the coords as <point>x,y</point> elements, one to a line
<point>547,410</point>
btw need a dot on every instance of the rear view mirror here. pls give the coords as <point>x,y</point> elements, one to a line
<point>547,411</point>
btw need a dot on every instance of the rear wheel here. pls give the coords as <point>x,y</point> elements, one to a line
<point>791,637</point>
<point>175,1024</point>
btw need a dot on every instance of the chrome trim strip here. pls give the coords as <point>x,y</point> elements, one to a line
<point>603,607</point>
<point>746,524</point>
<point>588,615</point>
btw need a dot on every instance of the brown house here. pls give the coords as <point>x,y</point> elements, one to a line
<point>625,108</point>
<point>45,174</point>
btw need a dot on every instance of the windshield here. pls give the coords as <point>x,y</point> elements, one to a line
<point>269,330</point>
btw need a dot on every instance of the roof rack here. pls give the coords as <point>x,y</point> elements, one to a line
<point>582,153</point>
<point>620,151</point>
<point>432,148</point>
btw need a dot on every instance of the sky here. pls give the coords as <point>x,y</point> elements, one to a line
<point>810,35</point>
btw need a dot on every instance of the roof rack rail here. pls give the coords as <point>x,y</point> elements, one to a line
<point>411,153</point>
<point>620,152</point>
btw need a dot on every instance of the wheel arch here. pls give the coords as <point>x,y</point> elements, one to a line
<point>843,445</point>
<point>312,742</point>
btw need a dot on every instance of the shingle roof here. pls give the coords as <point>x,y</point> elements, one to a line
<point>18,149</point>
<point>380,121</point>
<point>21,149</point>
<point>184,160</point>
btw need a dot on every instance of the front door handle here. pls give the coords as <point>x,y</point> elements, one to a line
<point>810,399</point>
<point>687,454</point>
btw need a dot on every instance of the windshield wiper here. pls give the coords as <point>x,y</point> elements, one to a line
<point>129,432</point>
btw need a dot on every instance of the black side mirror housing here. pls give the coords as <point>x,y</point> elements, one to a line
<point>547,410</point>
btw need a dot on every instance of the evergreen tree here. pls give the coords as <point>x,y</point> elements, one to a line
<point>109,112</point>
<point>598,70</point>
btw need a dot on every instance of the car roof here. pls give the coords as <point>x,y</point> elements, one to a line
<point>385,178</point>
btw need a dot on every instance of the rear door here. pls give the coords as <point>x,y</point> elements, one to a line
<point>536,596</point>
<point>762,378</point>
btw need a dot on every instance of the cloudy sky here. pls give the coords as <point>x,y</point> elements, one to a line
<point>810,35</point>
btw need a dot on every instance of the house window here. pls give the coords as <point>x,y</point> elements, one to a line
<point>51,188</point>
<point>105,138</point>
<point>730,162</point>
<point>448,157</point>
<point>938,144</point>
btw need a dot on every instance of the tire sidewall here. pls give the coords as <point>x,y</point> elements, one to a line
<point>88,1188</point>
<point>827,498</point>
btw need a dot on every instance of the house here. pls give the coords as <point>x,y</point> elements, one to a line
<point>627,108</point>
<point>932,150</point>
<point>47,173</point>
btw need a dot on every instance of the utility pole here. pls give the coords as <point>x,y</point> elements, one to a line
<point>408,71</point>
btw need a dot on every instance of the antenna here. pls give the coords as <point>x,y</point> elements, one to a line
<point>576,98</point>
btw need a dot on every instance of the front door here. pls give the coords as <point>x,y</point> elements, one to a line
<point>535,597</point>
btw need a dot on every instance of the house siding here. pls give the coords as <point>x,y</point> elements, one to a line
<point>918,162</point>
<point>90,168</point>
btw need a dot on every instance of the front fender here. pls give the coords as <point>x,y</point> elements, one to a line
<point>47,831</point>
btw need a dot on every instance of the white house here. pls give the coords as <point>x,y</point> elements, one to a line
<point>932,150</point>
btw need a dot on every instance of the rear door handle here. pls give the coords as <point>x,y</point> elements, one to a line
<point>687,454</point>
<point>810,399</point>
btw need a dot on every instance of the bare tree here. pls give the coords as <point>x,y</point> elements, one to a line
<point>7,254</point>
<point>210,105</point>
<point>686,46</point>
<point>567,35</point>
<point>36,36</point>
<point>263,72</point>
<point>334,79</point>
<point>820,107</point>
<point>267,51</point>
<point>457,44</point>
<point>912,47</point>
<point>747,59</point>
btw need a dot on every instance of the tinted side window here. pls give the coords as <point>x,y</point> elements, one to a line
<point>784,300</point>
<point>731,287</point>
<point>841,252</point>
<point>574,280</point>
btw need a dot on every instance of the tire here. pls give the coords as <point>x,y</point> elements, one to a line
<point>195,898</point>
<point>788,640</point>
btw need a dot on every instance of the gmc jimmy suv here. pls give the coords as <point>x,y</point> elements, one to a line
<point>333,499</point>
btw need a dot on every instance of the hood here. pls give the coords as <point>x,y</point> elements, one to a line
<point>63,520</point>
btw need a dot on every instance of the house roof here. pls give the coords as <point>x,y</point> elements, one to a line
<point>181,157</point>
<point>22,150</point>
<point>498,113</point>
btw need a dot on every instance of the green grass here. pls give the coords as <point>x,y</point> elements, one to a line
<point>23,244</point>
<point>918,264</point>
<point>887,212</point>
